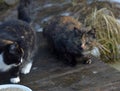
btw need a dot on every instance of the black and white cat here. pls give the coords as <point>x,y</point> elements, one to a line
<point>17,44</point>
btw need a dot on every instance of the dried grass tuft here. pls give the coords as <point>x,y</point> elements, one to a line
<point>107,33</point>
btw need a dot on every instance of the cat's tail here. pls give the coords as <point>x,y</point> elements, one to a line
<point>24,10</point>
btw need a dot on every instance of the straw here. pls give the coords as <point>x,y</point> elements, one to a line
<point>107,32</point>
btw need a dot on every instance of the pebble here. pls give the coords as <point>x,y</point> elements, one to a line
<point>95,72</point>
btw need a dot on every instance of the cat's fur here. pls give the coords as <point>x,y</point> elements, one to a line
<point>68,39</point>
<point>17,44</point>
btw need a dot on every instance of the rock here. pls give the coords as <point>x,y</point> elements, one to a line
<point>11,2</point>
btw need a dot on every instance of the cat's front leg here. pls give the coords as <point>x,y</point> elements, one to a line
<point>26,68</point>
<point>70,60</point>
<point>15,75</point>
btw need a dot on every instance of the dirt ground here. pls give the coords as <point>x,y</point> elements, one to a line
<point>50,74</point>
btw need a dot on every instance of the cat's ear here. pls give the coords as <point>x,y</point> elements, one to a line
<point>92,32</point>
<point>77,31</point>
<point>13,47</point>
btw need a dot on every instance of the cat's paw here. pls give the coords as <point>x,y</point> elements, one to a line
<point>26,69</point>
<point>15,80</point>
<point>89,61</point>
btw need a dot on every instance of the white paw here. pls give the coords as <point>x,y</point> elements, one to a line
<point>15,80</point>
<point>89,61</point>
<point>26,69</point>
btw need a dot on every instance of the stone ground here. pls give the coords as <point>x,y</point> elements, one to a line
<point>50,74</point>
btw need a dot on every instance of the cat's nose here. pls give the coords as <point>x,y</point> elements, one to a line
<point>83,46</point>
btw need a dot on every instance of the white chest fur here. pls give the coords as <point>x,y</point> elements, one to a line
<point>95,52</point>
<point>4,67</point>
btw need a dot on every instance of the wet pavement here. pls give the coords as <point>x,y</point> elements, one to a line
<point>49,73</point>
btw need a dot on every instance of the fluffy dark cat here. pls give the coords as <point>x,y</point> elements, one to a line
<point>68,39</point>
<point>17,44</point>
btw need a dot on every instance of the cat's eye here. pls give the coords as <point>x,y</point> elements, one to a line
<point>87,43</point>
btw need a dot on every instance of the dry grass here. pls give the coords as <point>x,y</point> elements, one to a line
<point>107,32</point>
<point>103,19</point>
